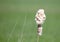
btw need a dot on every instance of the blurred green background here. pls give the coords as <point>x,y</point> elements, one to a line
<point>17,22</point>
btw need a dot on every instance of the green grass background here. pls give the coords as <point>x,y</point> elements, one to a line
<point>17,22</point>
